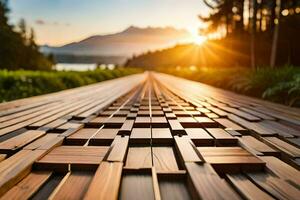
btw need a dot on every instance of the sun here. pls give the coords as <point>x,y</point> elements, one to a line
<point>196,38</point>
<point>199,40</point>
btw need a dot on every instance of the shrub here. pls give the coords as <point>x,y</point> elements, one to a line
<point>280,85</point>
<point>22,83</point>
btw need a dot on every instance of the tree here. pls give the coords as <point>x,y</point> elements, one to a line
<point>18,48</point>
<point>23,28</point>
<point>253,33</point>
<point>276,34</point>
<point>31,40</point>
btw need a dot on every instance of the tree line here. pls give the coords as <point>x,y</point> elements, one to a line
<point>258,18</point>
<point>18,49</point>
<point>250,33</point>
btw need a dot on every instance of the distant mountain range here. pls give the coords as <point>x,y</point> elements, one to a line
<point>133,40</point>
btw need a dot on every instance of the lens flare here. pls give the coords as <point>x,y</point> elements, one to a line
<point>196,38</point>
<point>199,40</point>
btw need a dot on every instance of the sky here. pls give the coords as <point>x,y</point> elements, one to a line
<point>58,22</point>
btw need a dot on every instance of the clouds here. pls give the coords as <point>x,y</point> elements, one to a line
<point>42,22</point>
<point>61,21</point>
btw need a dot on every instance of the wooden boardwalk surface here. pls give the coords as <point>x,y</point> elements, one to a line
<point>148,136</point>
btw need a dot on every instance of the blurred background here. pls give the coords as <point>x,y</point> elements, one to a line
<point>250,47</point>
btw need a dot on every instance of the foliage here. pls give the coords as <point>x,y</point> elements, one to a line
<point>18,49</point>
<point>22,83</point>
<point>255,22</point>
<point>280,85</point>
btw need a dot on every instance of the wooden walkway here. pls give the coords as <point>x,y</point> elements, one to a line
<point>148,136</point>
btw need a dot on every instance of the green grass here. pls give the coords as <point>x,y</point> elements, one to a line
<point>281,85</point>
<point>21,83</point>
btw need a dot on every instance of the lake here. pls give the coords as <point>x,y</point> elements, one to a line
<point>81,66</point>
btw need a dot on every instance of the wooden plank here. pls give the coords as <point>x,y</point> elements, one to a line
<point>229,124</point>
<point>157,113</point>
<point>24,118</point>
<point>225,151</point>
<point>203,110</point>
<point>241,113</point>
<point>145,113</point>
<point>16,167</point>
<point>174,189</point>
<point>159,122</point>
<point>199,136</point>
<point>258,114</point>
<point>294,141</point>
<point>231,159</point>
<point>28,121</point>
<point>28,186</point>
<point>115,122</point>
<point>257,145</point>
<point>119,148</point>
<point>126,127</point>
<point>26,112</point>
<point>105,134</point>
<point>120,113</point>
<point>206,122</point>
<point>218,111</point>
<point>222,136</point>
<point>212,115</point>
<point>164,159</point>
<point>186,150</point>
<point>139,157</point>
<point>142,122</point>
<point>60,113</point>
<point>21,140</point>
<point>248,189</point>
<point>281,169</point>
<point>74,187</point>
<point>258,128</point>
<point>137,186</point>
<point>75,155</point>
<point>176,127</point>
<point>70,125</point>
<point>2,157</point>
<point>48,187</point>
<point>54,124</point>
<point>207,184</point>
<point>156,190</point>
<point>140,135</point>
<point>106,182</point>
<point>170,116</point>
<point>46,143</point>
<point>186,113</point>
<point>81,136</point>
<point>188,122</point>
<point>131,116</point>
<point>281,129</point>
<point>276,187</point>
<point>109,122</point>
<point>161,136</point>
<point>283,146</point>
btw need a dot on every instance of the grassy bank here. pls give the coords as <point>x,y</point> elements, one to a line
<point>21,84</point>
<point>281,85</point>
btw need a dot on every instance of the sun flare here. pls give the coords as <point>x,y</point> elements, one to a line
<point>196,37</point>
<point>199,40</point>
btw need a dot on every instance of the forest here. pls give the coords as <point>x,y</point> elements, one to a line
<point>18,49</point>
<point>247,33</point>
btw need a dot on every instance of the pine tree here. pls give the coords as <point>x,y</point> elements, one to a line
<point>17,49</point>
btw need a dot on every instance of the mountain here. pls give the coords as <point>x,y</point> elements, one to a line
<point>133,40</point>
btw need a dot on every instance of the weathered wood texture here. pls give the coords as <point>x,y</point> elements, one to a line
<point>148,136</point>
